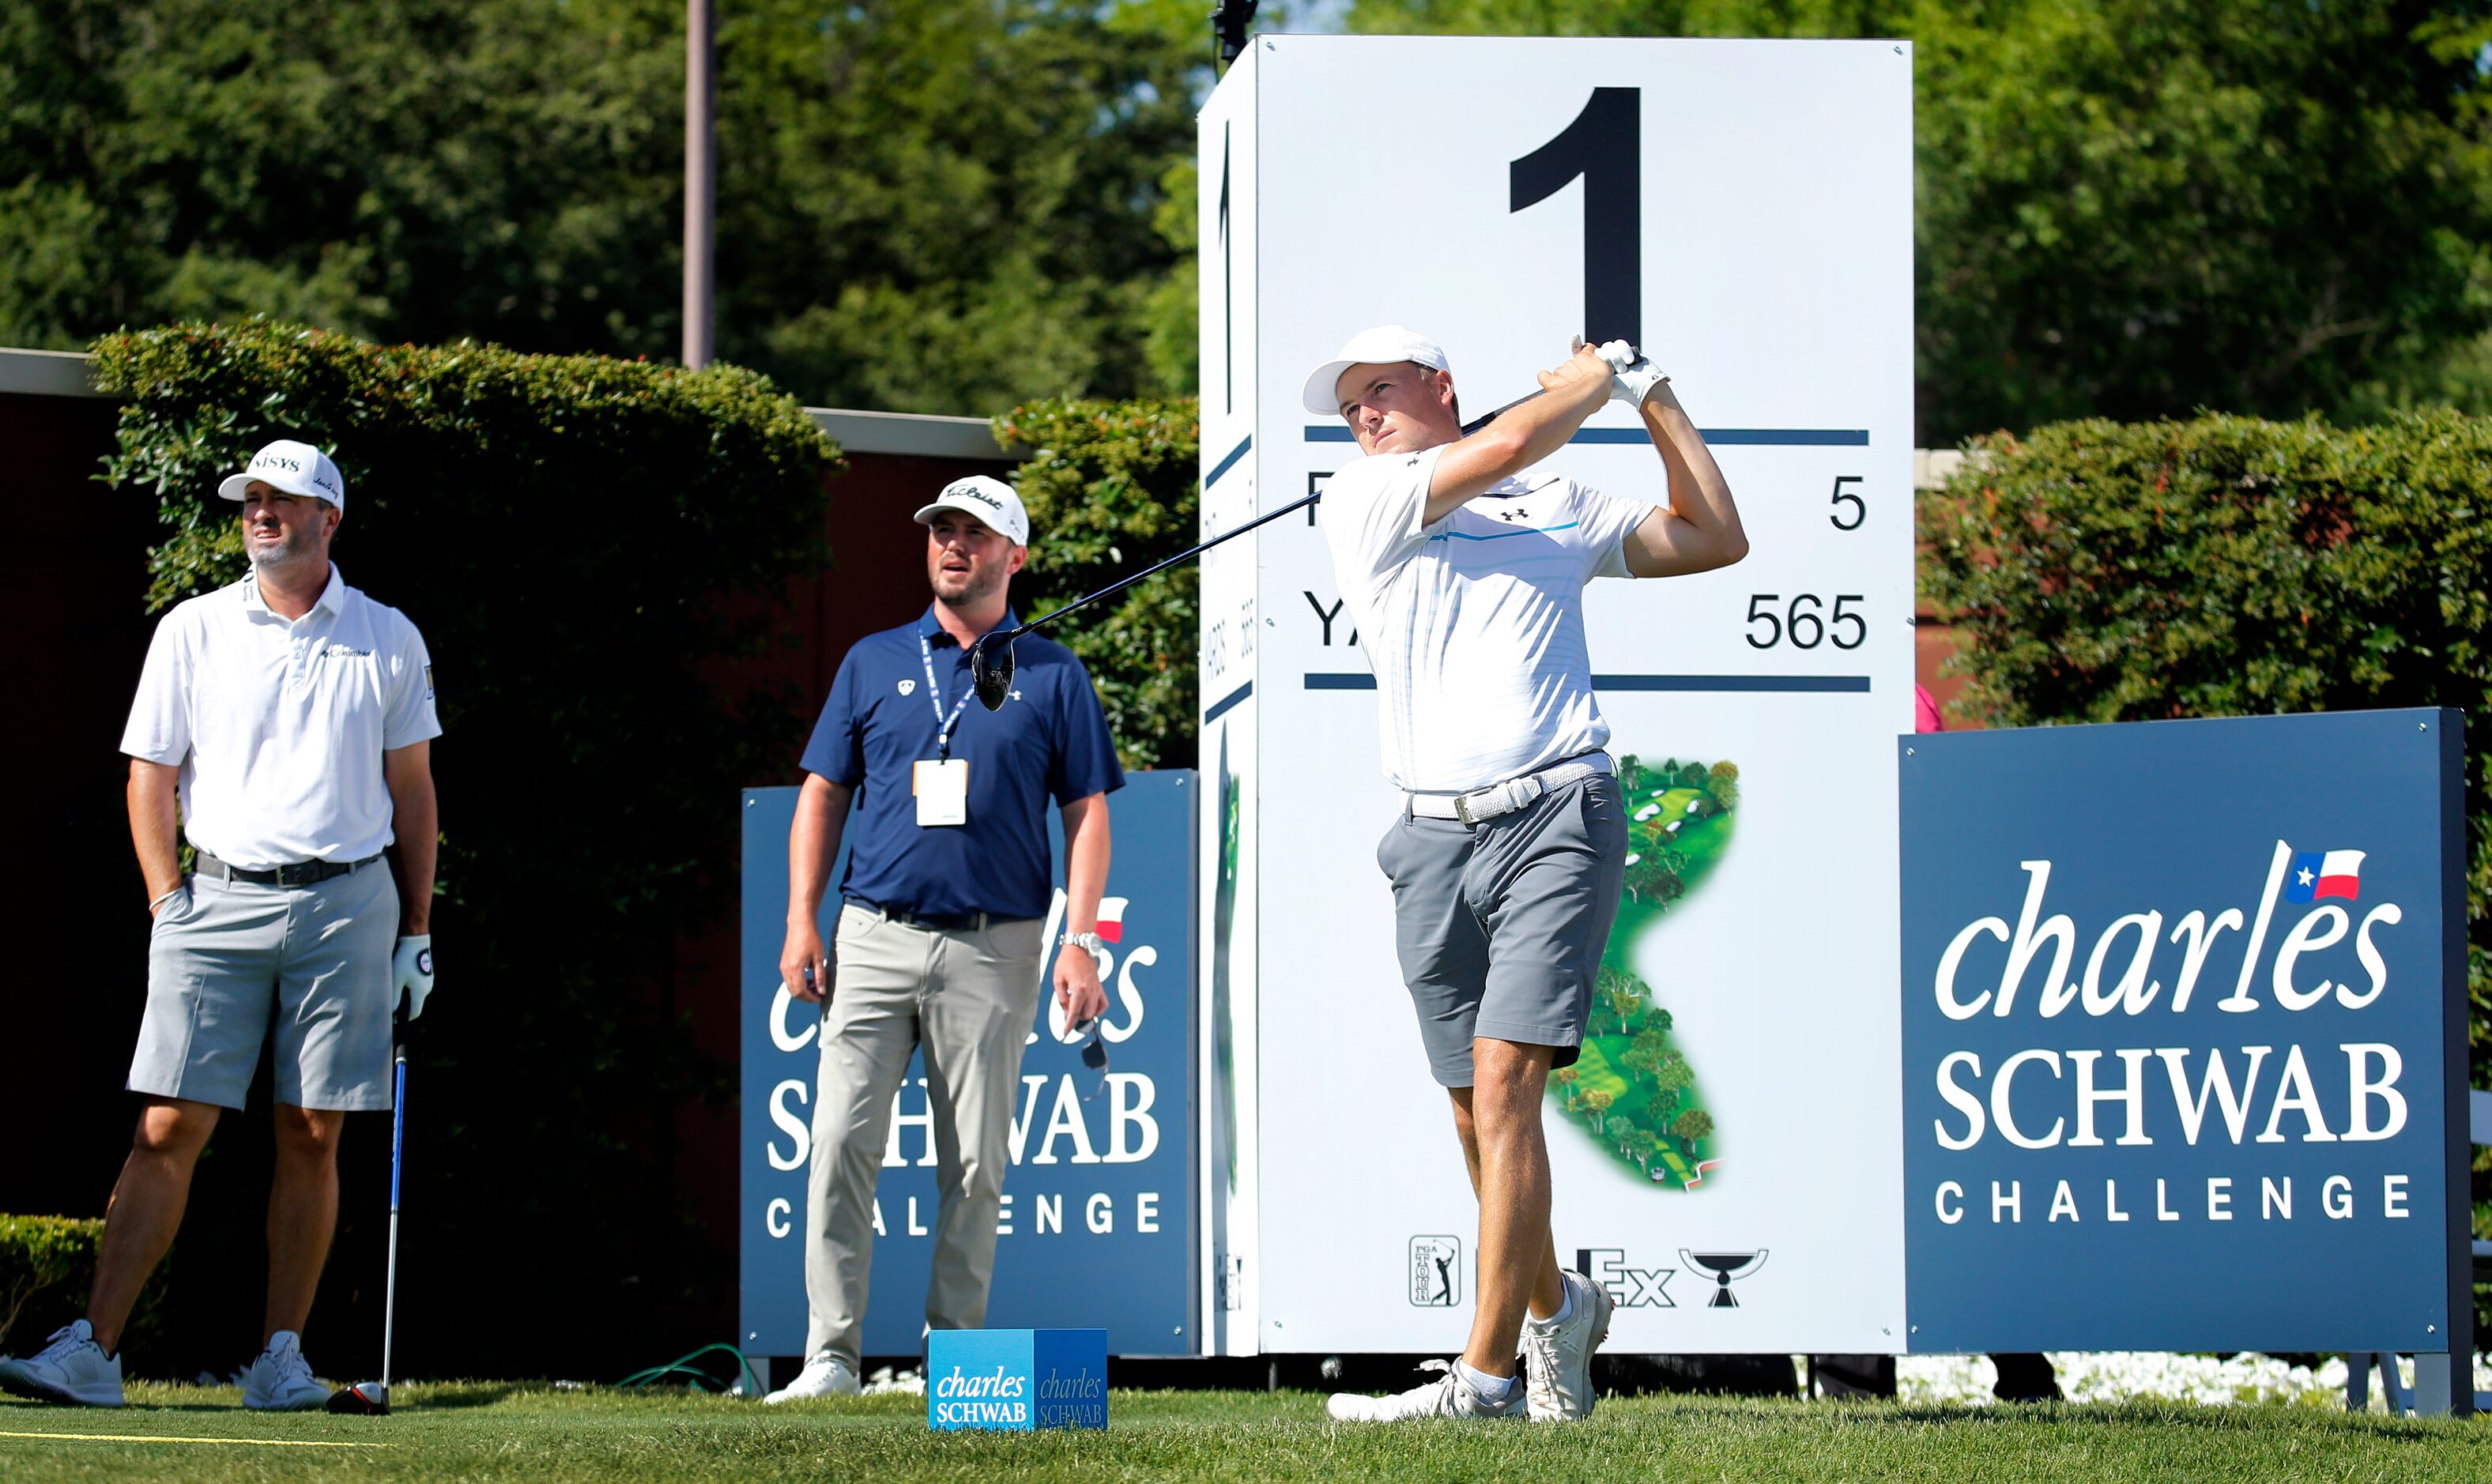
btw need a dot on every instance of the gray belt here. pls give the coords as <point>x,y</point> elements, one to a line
<point>1510,796</point>
<point>300,874</point>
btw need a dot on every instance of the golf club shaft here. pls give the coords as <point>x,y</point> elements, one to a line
<point>397,1147</point>
<point>1121,583</point>
<point>1492,415</point>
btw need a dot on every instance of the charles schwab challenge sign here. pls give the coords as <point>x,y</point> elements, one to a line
<point>2175,1001</point>
<point>1097,1227</point>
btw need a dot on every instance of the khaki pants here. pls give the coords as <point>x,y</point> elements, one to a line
<point>969,999</point>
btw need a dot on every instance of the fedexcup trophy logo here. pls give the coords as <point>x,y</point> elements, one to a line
<point>1726,1267</point>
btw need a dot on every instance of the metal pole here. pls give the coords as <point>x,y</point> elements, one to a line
<point>700,175</point>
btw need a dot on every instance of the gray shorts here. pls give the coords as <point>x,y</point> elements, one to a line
<point>1500,926</point>
<point>227,959</point>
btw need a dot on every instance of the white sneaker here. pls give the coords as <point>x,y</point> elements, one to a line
<point>1447,1397</point>
<point>73,1368</point>
<point>1559,1357</point>
<point>281,1379</point>
<point>824,1374</point>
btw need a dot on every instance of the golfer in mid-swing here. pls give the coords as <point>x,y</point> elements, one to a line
<point>1465,575</point>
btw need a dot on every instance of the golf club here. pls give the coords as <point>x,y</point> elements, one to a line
<point>371,1399</point>
<point>990,660</point>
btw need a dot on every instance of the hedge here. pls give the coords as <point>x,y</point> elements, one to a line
<point>2100,572</point>
<point>588,546</point>
<point>47,1266</point>
<point>1111,489</point>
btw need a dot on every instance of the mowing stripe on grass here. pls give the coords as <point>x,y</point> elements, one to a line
<point>247,1443</point>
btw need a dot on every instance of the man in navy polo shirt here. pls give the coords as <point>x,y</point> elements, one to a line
<point>944,906</point>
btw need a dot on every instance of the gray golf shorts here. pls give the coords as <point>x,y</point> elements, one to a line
<point>1500,926</point>
<point>227,960</point>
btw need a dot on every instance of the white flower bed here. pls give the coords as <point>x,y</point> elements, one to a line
<point>2125,1375</point>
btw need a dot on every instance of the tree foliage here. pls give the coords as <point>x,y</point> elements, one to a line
<point>1111,490</point>
<point>2133,209</point>
<point>2097,571</point>
<point>941,205</point>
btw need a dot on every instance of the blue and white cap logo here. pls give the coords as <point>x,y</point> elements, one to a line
<point>297,468</point>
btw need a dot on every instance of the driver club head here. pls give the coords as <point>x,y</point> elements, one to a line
<point>363,1399</point>
<point>990,671</point>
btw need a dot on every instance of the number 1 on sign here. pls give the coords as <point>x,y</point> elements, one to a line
<point>1605,147</point>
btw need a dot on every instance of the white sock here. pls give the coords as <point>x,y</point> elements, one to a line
<point>1491,1389</point>
<point>1565,1308</point>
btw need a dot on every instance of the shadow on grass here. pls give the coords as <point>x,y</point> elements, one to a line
<point>2201,1418</point>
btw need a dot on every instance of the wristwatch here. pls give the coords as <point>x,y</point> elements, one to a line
<point>1091,941</point>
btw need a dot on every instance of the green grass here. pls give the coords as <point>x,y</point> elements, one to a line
<point>486,1431</point>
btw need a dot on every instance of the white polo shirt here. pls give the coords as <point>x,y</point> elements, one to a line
<point>279,726</point>
<point>1474,624</point>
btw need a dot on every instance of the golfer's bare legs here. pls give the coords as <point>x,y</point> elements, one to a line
<point>1499,1120</point>
<point>302,1212</point>
<point>146,1208</point>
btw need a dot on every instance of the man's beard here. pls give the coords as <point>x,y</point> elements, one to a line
<point>975,587</point>
<point>297,545</point>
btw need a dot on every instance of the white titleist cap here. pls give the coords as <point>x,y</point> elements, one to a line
<point>1383,346</point>
<point>297,468</point>
<point>991,500</point>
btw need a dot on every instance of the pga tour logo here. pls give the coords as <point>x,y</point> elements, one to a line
<point>1435,1272</point>
<point>2308,940</point>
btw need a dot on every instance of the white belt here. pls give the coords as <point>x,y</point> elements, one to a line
<point>1510,796</point>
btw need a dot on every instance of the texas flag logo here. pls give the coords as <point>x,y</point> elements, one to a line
<point>2320,873</point>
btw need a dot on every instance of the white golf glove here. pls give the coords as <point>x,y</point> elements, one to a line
<point>411,974</point>
<point>1635,376</point>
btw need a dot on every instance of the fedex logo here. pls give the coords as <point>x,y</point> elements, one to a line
<point>1634,1288</point>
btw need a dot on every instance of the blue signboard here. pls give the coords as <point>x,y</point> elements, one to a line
<point>1016,1380</point>
<point>2180,1001</point>
<point>1097,1230</point>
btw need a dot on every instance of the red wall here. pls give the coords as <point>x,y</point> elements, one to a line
<point>74,918</point>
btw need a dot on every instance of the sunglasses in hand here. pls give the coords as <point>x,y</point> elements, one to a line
<point>1094,1055</point>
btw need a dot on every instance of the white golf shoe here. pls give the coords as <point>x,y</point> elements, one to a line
<point>281,1379</point>
<point>1557,1358</point>
<point>73,1368</point>
<point>1448,1396</point>
<point>824,1374</point>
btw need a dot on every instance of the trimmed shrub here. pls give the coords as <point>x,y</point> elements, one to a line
<point>587,545</point>
<point>1111,490</point>
<point>2101,571</point>
<point>47,1266</point>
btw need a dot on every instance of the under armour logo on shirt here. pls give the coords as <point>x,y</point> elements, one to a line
<point>1516,514</point>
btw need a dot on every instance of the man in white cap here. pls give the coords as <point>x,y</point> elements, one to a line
<point>1463,569</point>
<point>942,914</point>
<point>284,724</point>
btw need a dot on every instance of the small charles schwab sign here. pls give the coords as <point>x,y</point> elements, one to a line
<point>1016,1380</point>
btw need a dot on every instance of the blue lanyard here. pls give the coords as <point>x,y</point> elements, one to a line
<point>943,724</point>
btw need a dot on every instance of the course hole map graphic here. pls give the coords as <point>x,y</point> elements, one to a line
<point>1632,1091</point>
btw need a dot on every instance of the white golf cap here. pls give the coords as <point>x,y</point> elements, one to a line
<point>1383,346</point>
<point>991,500</point>
<point>297,468</point>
